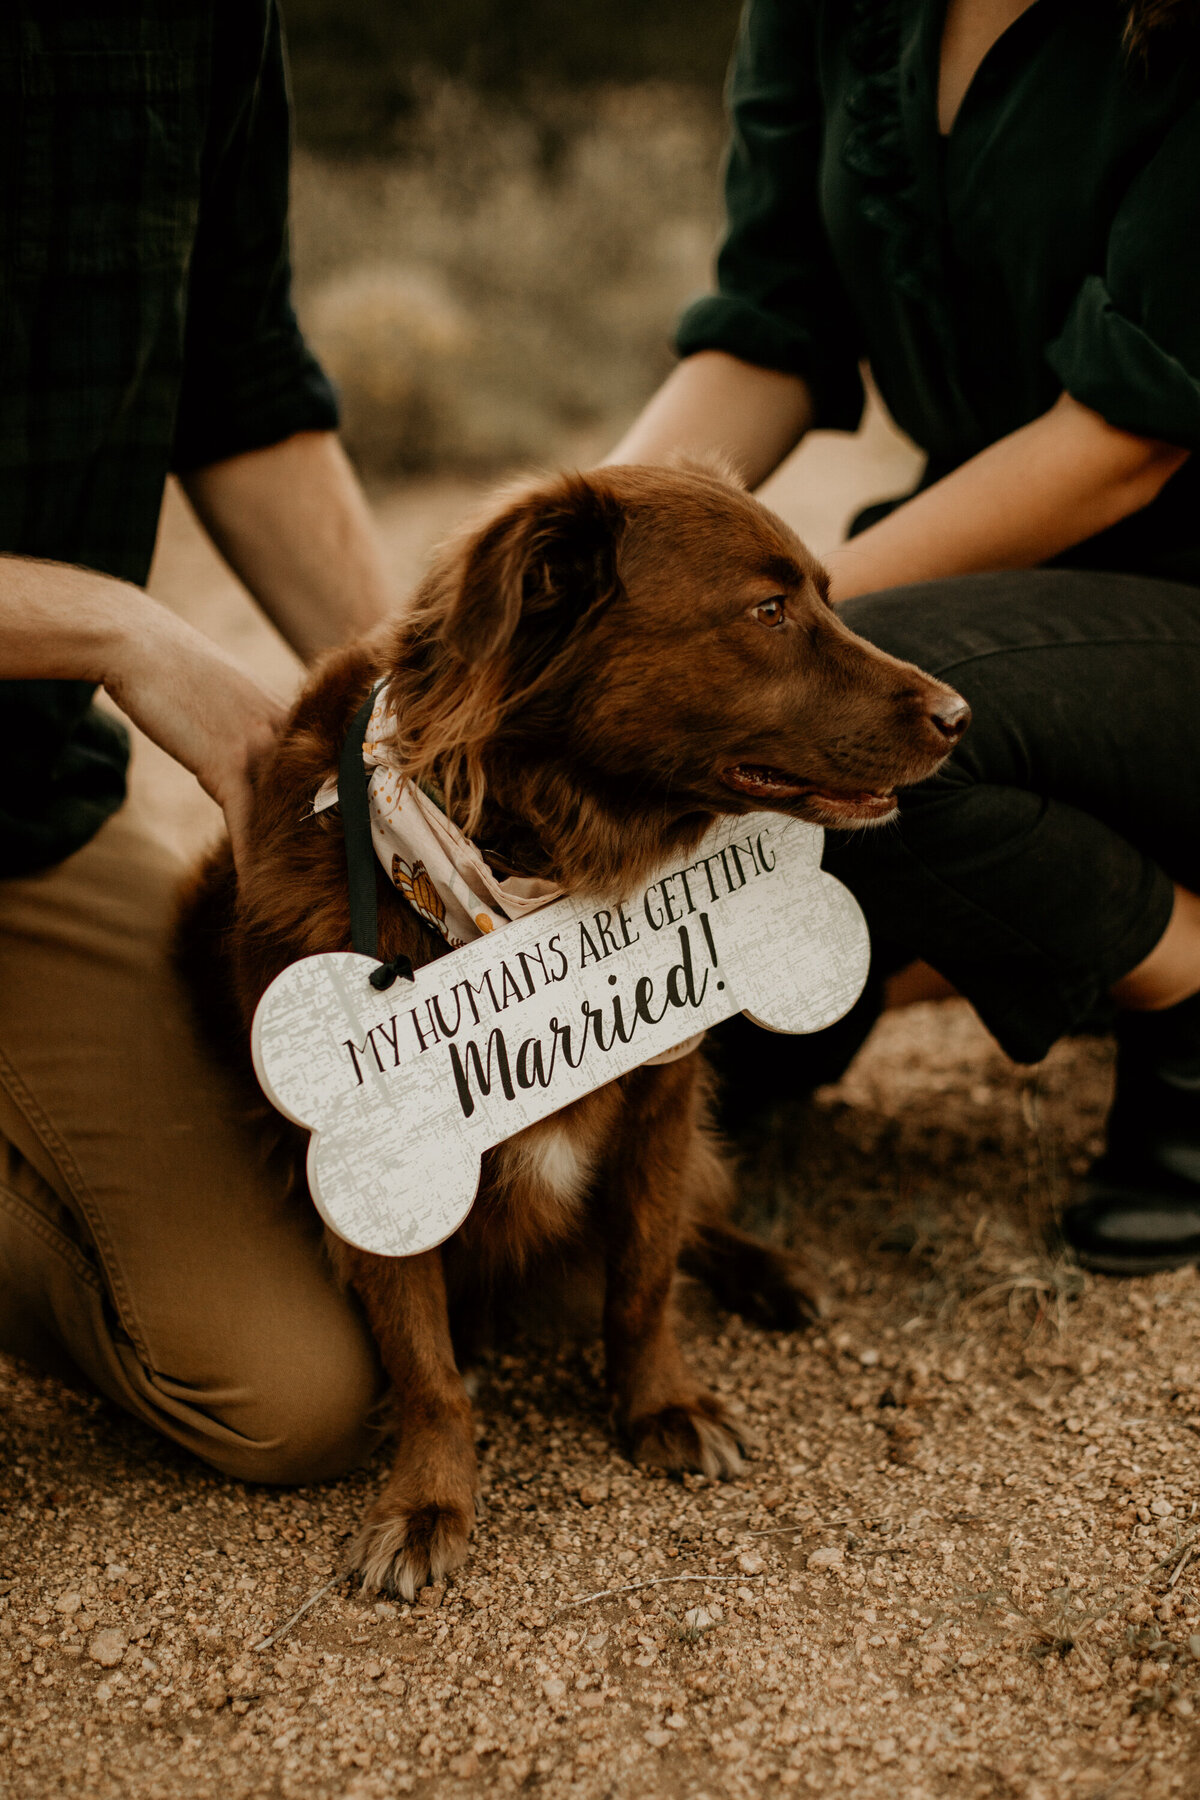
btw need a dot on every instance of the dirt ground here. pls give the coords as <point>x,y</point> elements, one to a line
<point>959,1563</point>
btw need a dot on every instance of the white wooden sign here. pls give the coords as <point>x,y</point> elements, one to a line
<point>403,1090</point>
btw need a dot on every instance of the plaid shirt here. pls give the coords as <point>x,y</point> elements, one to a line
<point>145,322</point>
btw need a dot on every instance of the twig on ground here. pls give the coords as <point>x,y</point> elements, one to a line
<point>1187,1544</point>
<point>1182,1564</point>
<point>1101,1793</point>
<point>282,1630</point>
<point>655,1581</point>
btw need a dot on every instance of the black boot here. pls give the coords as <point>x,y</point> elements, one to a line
<point>1140,1206</point>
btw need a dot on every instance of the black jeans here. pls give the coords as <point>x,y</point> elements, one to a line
<point>1035,869</point>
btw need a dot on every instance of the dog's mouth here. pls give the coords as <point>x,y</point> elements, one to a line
<point>778,788</point>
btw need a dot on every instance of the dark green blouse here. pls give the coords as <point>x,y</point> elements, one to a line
<point>1051,241</point>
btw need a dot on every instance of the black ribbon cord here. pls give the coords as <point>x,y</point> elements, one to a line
<point>354,804</point>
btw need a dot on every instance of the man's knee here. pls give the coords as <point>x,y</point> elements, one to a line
<point>297,1410</point>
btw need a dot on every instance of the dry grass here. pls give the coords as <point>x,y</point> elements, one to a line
<point>480,304</point>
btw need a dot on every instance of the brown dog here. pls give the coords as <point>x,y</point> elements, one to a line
<point>590,676</point>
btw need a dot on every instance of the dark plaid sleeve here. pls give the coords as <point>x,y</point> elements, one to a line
<point>249,378</point>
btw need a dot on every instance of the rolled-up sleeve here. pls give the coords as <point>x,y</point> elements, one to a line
<point>249,377</point>
<point>1130,348</point>
<point>780,302</point>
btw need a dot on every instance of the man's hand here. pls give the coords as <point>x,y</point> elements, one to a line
<point>199,706</point>
<point>193,700</point>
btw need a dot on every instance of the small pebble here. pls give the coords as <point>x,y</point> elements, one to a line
<point>108,1648</point>
<point>831,1557</point>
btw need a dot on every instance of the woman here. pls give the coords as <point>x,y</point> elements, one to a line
<point>995,203</point>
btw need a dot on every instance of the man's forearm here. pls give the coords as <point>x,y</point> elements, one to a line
<point>715,404</point>
<point>293,524</point>
<point>1022,501</point>
<point>196,703</point>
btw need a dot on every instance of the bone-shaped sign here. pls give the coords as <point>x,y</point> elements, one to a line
<point>405,1089</point>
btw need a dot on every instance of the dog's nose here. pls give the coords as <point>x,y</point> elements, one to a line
<point>951,715</point>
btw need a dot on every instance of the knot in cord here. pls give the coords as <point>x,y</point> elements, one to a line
<point>387,972</point>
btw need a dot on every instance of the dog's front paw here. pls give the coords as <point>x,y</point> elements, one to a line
<point>695,1434</point>
<point>401,1548</point>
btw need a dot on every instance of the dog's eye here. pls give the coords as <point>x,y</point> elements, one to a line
<point>770,612</point>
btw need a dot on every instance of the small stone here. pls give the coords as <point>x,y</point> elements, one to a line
<point>751,1563</point>
<point>1182,1707</point>
<point>215,1694</point>
<point>103,1692</point>
<point>1162,1509</point>
<point>385,1610</point>
<point>955,1370</point>
<point>675,1722</point>
<point>115,1572</point>
<point>68,1604</point>
<point>108,1647</point>
<point>698,1618</point>
<point>372,1670</point>
<point>868,1357</point>
<point>885,1749</point>
<point>657,1740</point>
<point>466,1766</point>
<point>832,1556</point>
<point>593,1493</point>
<point>554,1689</point>
<point>747,1596</point>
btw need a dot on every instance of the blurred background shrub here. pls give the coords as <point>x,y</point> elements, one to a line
<point>499,207</point>
<point>356,63</point>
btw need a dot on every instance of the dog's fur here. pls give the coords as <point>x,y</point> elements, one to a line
<point>591,675</point>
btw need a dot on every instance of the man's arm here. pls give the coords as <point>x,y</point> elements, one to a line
<point>293,524</point>
<point>58,622</point>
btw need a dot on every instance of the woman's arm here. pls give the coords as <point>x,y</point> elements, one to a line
<point>293,524</point>
<point>1023,500</point>
<point>58,622</point>
<point>713,404</point>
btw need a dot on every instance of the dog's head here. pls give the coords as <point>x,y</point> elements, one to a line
<point>656,644</point>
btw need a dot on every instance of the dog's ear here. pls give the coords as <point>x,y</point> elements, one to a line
<point>548,557</point>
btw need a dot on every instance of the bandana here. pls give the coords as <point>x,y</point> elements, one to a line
<point>437,869</point>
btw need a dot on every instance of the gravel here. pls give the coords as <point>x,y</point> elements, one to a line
<point>960,1563</point>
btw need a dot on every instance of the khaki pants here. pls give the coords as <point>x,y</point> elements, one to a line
<point>147,1241</point>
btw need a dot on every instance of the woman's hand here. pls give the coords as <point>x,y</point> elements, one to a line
<point>194,701</point>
